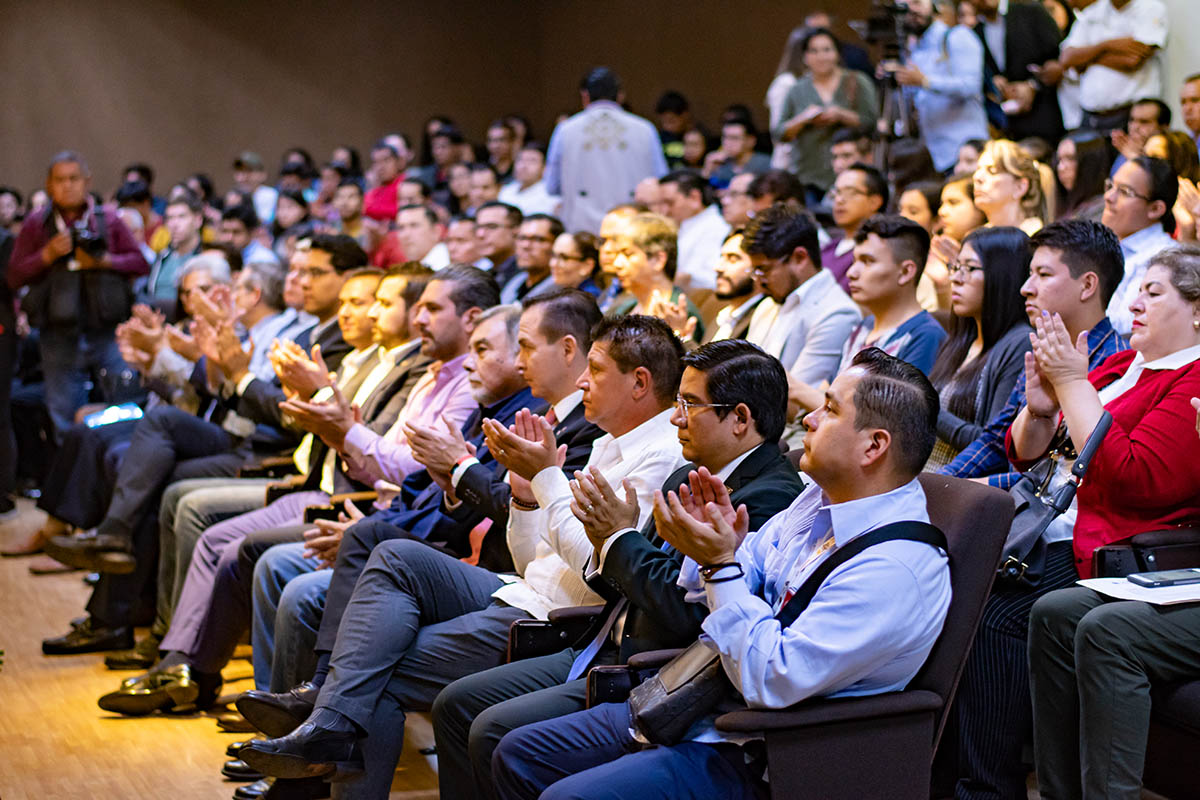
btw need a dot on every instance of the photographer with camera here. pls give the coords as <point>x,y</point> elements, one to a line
<point>77,260</point>
<point>944,73</point>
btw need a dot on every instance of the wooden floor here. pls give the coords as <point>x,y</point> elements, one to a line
<point>56,744</point>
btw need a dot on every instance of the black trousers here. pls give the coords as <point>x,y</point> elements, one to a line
<point>81,477</point>
<point>992,708</point>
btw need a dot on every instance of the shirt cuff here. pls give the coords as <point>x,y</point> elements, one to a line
<point>357,439</point>
<point>723,593</point>
<point>245,382</point>
<point>549,485</point>
<point>461,470</point>
<point>608,543</point>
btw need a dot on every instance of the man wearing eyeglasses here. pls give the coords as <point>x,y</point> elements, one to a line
<point>535,243</point>
<point>496,226</point>
<point>858,192</point>
<point>1137,206</point>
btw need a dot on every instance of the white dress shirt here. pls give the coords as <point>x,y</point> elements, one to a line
<point>729,317</point>
<point>1138,248</point>
<point>808,330</point>
<point>700,239</point>
<point>533,199</point>
<point>549,546</point>
<point>438,257</point>
<point>1103,88</point>
<point>868,629</point>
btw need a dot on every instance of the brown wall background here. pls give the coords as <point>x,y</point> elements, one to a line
<point>187,85</point>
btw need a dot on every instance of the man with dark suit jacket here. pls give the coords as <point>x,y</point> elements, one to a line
<point>553,341</point>
<point>1017,34</point>
<point>730,415</point>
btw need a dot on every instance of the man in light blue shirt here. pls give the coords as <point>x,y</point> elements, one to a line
<point>944,73</point>
<point>597,157</point>
<point>867,630</point>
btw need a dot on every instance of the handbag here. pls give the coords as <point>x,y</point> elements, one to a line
<point>694,683</point>
<point>1023,559</point>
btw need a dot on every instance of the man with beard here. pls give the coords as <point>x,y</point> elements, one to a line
<point>737,288</point>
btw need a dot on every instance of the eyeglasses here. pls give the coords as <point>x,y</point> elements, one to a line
<point>1123,189</point>
<point>847,192</point>
<point>687,405</point>
<point>957,267</point>
<point>491,226</point>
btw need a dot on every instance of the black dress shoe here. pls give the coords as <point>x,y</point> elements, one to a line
<point>97,552</point>
<point>178,688</point>
<point>88,638</point>
<point>144,655</point>
<point>278,714</point>
<point>307,752</point>
<point>238,770</point>
<point>254,791</point>
<point>232,749</point>
<point>234,722</point>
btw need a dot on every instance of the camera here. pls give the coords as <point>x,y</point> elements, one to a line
<point>91,243</point>
<point>888,26</point>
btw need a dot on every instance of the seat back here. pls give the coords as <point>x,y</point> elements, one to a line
<point>975,519</point>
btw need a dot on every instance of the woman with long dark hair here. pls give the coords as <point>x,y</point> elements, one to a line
<point>980,361</point>
<point>1081,165</point>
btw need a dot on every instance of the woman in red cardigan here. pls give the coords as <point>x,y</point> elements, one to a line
<point>1144,476</point>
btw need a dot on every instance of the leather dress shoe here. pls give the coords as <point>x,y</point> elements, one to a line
<point>143,656</point>
<point>253,791</point>
<point>232,749</point>
<point>88,637</point>
<point>278,714</point>
<point>307,752</point>
<point>97,552</point>
<point>238,770</point>
<point>233,722</point>
<point>172,689</point>
<point>298,789</point>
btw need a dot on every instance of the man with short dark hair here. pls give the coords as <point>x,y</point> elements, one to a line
<point>868,630</point>
<point>729,415</point>
<point>77,259</point>
<point>485,187</point>
<point>674,120</point>
<point>496,226</point>
<point>736,155</point>
<point>462,243</point>
<point>1076,267</point>
<point>250,178</point>
<point>776,186</point>
<point>348,203</point>
<point>737,289</point>
<point>850,146</point>
<point>527,189</point>
<point>1137,208</point>
<point>420,234</point>
<point>238,227</point>
<point>687,198</point>
<point>858,192</point>
<point>597,156</point>
<point>183,219</point>
<point>501,141</point>
<point>535,240</point>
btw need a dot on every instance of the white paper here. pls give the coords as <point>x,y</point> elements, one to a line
<point>1123,589</point>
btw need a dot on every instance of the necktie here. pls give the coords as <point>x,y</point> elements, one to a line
<point>551,417</point>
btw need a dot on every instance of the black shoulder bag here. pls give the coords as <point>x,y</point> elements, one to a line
<point>692,684</point>
<point>1023,559</point>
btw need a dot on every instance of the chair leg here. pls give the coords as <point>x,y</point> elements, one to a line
<point>885,757</point>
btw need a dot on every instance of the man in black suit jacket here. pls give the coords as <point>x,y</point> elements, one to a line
<point>730,416</point>
<point>1015,35</point>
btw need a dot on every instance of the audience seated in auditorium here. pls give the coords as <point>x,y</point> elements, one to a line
<point>863,464</point>
<point>1008,187</point>
<point>496,226</point>
<point>858,192</point>
<point>573,262</point>
<point>645,260</point>
<point>527,190</point>
<point>535,242</point>
<point>687,200</point>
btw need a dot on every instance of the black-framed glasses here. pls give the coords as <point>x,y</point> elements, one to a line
<point>688,405</point>
<point>1123,189</point>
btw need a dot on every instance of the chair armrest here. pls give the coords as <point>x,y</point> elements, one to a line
<point>274,491</point>
<point>1167,537</point>
<point>826,711</point>
<point>652,659</point>
<point>269,467</point>
<point>575,613</point>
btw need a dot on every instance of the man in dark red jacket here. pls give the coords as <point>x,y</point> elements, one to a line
<point>77,260</point>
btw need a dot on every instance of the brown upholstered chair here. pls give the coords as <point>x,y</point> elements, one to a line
<point>883,745</point>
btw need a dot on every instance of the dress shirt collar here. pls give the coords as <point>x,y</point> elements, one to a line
<point>730,315</point>
<point>1180,358</point>
<point>724,472</point>
<point>843,246</point>
<point>447,370</point>
<point>648,435</point>
<point>1097,336</point>
<point>319,329</point>
<point>564,407</point>
<point>851,519</point>
<point>352,362</point>
<point>394,355</point>
<point>1151,236</point>
<point>814,287</point>
<point>705,216</point>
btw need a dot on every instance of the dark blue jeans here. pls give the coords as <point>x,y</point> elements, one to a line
<point>69,360</point>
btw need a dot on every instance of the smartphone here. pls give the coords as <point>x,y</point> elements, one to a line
<point>1170,577</point>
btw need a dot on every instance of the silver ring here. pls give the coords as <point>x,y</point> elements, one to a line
<point>589,508</point>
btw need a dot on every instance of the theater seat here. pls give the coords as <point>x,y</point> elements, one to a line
<point>883,745</point>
